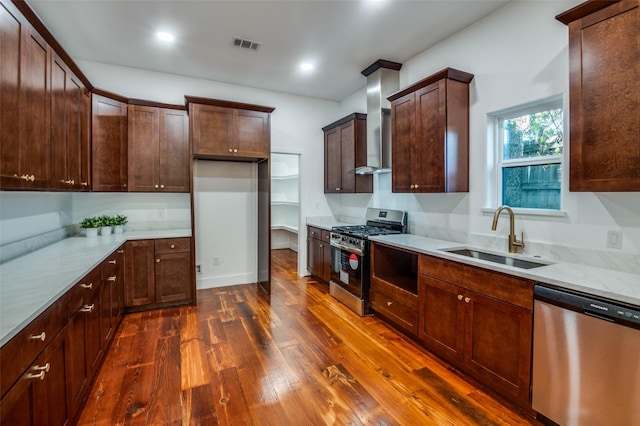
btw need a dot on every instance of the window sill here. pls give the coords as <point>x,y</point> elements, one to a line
<point>488,211</point>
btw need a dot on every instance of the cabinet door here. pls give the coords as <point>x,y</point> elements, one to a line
<point>85,147</point>
<point>252,134</point>
<point>140,280</point>
<point>174,151</point>
<point>348,157</point>
<point>332,161</point>
<point>109,144</point>
<point>212,130</point>
<point>93,349</point>
<point>11,48</point>
<point>605,100</point>
<point>403,120</point>
<point>326,256</point>
<point>106,327</point>
<point>427,153</point>
<point>39,396</point>
<point>143,148</point>
<point>315,256</point>
<point>442,318</point>
<point>66,127</point>
<point>173,282</point>
<point>498,345</point>
<point>76,362</point>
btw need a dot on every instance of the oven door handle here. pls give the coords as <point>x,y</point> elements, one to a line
<point>347,249</point>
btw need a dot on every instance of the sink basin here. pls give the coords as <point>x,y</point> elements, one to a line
<point>497,258</point>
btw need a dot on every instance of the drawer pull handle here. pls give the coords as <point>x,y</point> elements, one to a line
<point>113,262</point>
<point>467,299</point>
<point>88,308</point>
<point>389,303</point>
<point>113,278</point>
<point>459,297</point>
<point>40,336</point>
<point>337,189</point>
<point>120,251</point>
<point>42,370</point>
<point>85,183</point>
<point>173,246</point>
<point>87,286</point>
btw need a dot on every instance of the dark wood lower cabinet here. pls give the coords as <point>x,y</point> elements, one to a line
<point>319,253</point>
<point>39,397</point>
<point>481,334</point>
<point>158,272</point>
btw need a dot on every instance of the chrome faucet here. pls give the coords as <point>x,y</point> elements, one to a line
<point>513,241</point>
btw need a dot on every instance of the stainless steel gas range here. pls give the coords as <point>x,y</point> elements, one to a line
<point>350,256</point>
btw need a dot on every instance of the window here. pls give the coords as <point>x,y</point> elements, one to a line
<point>529,146</point>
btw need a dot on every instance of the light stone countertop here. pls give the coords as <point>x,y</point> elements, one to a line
<point>326,223</point>
<point>609,284</point>
<point>31,283</point>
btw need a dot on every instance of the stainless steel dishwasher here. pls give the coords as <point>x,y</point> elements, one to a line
<point>586,360</point>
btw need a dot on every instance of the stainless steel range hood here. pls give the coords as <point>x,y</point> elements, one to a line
<point>382,80</point>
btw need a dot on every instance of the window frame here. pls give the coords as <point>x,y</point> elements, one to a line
<point>496,136</point>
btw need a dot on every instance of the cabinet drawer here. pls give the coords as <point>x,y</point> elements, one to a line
<point>81,292</point>
<point>326,236</point>
<point>113,260</point>
<point>172,245</point>
<point>20,352</point>
<point>402,316</point>
<point>393,292</point>
<point>313,232</point>
<point>514,290</point>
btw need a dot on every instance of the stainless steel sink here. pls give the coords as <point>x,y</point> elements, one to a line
<point>497,258</point>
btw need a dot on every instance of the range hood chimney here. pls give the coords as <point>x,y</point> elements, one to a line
<point>383,80</point>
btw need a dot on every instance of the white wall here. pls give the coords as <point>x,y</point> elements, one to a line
<point>518,54</point>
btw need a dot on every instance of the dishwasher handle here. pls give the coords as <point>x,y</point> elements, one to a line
<point>589,305</point>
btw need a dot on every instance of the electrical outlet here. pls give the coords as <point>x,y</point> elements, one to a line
<point>614,239</point>
<point>198,269</point>
<point>216,261</point>
<point>161,214</point>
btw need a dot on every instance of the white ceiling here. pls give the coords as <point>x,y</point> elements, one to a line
<point>342,37</point>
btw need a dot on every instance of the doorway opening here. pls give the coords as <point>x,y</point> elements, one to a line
<point>285,201</point>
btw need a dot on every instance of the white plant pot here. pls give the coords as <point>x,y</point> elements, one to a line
<point>118,229</point>
<point>105,230</point>
<point>90,232</point>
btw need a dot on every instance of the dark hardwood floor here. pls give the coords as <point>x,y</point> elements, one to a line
<point>303,359</point>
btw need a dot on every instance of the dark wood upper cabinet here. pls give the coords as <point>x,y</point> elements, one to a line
<point>345,145</point>
<point>69,138</point>
<point>158,149</point>
<point>430,134</point>
<point>229,130</point>
<point>24,105</point>
<point>109,143</point>
<point>604,96</point>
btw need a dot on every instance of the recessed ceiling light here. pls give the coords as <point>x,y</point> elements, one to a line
<point>306,66</point>
<point>165,36</point>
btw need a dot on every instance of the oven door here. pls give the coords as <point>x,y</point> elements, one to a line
<point>347,269</point>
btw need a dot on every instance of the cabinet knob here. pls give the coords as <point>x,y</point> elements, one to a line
<point>411,186</point>
<point>161,186</point>
<point>72,182</point>
<point>467,299</point>
<point>113,278</point>
<point>173,246</point>
<point>459,297</point>
<point>157,260</point>
<point>321,245</point>
<point>155,186</point>
<point>230,149</point>
<point>416,186</point>
<point>87,308</point>
<point>235,150</point>
<point>389,303</point>
<point>40,336</point>
<point>87,286</point>
<point>124,185</point>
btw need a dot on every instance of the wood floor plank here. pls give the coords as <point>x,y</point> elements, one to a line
<point>296,358</point>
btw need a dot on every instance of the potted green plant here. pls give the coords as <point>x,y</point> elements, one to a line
<point>90,226</point>
<point>106,224</point>
<point>118,223</point>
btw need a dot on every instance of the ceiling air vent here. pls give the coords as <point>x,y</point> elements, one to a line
<point>246,44</point>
